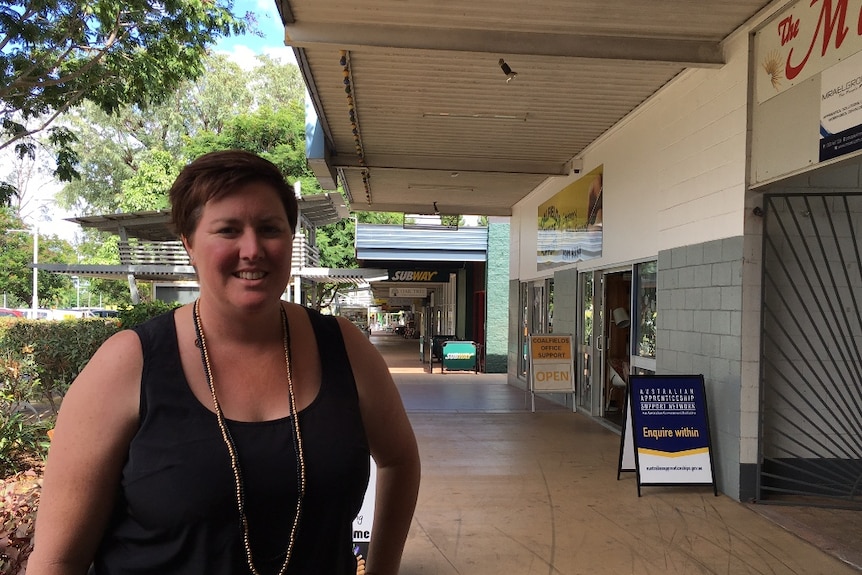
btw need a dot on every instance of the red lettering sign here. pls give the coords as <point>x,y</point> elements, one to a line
<point>827,24</point>
<point>788,29</point>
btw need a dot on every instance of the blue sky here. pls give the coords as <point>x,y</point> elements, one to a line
<point>243,48</point>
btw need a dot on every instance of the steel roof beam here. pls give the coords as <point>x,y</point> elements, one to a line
<point>453,164</point>
<point>689,53</point>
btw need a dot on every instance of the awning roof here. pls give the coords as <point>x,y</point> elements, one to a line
<point>427,114</point>
<point>153,272</point>
<point>152,226</point>
<point>391,243</point>
<point>358,277</point>
<point>323,209</point>
<point>317,209</point>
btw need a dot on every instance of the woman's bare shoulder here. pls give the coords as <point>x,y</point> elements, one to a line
<point>113,374</point>
<point>119,350</point>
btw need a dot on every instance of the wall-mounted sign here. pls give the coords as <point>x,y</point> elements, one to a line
<point>552,369</point>
<point>569,227</point>
<point>408,292</point>
<point>441,276</point>
<point>803,40</point>
<point>841,108</point>
<point>670,428</point>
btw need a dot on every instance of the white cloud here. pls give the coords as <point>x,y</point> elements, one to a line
<point>246,58</point>
<point>282,53</point>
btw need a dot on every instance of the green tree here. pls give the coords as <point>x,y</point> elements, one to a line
<point>275,134</point>
<point>147,188</point>
<point>276,84</point>
<point>100,248</point>
<point>389,218</point>
<point>8,192</point>
<point>222,92</point>
<point>54,289</point>
<point>16,259</point>
<point>130,158</point>
<point>107,150</point>
<point>336,243</point>
<point>111,148</point>
<point>26,178</point>
<point>55,55</point>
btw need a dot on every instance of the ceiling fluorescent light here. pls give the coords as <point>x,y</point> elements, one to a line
<point>427,187</point>
<point>480,116</point>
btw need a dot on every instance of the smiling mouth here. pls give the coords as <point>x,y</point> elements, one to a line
<point>250,275</point>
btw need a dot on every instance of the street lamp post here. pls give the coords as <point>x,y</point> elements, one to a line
<point>77,281</point>
<point>35,271</point>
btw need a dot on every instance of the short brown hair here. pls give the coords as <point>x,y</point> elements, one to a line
<point>217,174</point>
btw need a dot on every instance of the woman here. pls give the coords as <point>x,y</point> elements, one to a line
<point>176,449</point>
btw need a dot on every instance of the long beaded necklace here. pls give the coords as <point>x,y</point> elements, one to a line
<point>231,447</point>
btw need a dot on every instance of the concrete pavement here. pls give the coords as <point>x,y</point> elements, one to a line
<point>505,490</point>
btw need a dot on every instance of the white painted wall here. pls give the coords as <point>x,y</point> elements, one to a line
<point>674,171</point>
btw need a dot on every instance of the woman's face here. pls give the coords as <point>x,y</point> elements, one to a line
<point>242,248</point>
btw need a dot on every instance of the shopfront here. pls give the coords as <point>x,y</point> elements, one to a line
<point>715,232</point>
<point>611,340</point>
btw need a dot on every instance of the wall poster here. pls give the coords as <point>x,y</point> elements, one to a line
<point>570,223</point>
<point>670,427</point>
<point>841,108</point>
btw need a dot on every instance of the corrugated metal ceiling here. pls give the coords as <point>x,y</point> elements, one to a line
<point>436,119</point>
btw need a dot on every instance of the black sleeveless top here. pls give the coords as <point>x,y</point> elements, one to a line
<point>176,510</point>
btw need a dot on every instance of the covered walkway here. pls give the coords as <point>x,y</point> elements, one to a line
<point>505,490</point>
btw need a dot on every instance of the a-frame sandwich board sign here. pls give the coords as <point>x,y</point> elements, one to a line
<point>670,429</point>
<point>627,441</point>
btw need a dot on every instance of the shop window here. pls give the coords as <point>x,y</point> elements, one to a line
<point>523,328</point>
<point>585,361</point>
<point>645,315</point>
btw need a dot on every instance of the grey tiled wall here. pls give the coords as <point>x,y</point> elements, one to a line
<point>700,332</point>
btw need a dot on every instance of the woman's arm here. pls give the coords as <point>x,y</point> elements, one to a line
<point>393,446</point>
<point>96,422</point>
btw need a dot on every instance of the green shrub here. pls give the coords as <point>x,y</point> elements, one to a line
<point>139,313</point>
<point>19,379</point>
<point>23,441</point>
<point>23,433</point>
<point>60,349</point>
<point>38,361</point>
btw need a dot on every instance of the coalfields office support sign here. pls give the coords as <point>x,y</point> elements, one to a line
<point>551,365</point>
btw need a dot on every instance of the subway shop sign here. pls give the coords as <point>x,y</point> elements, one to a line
<point>551,365</point>
<point>439,276</point>
<point>459,355</point>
